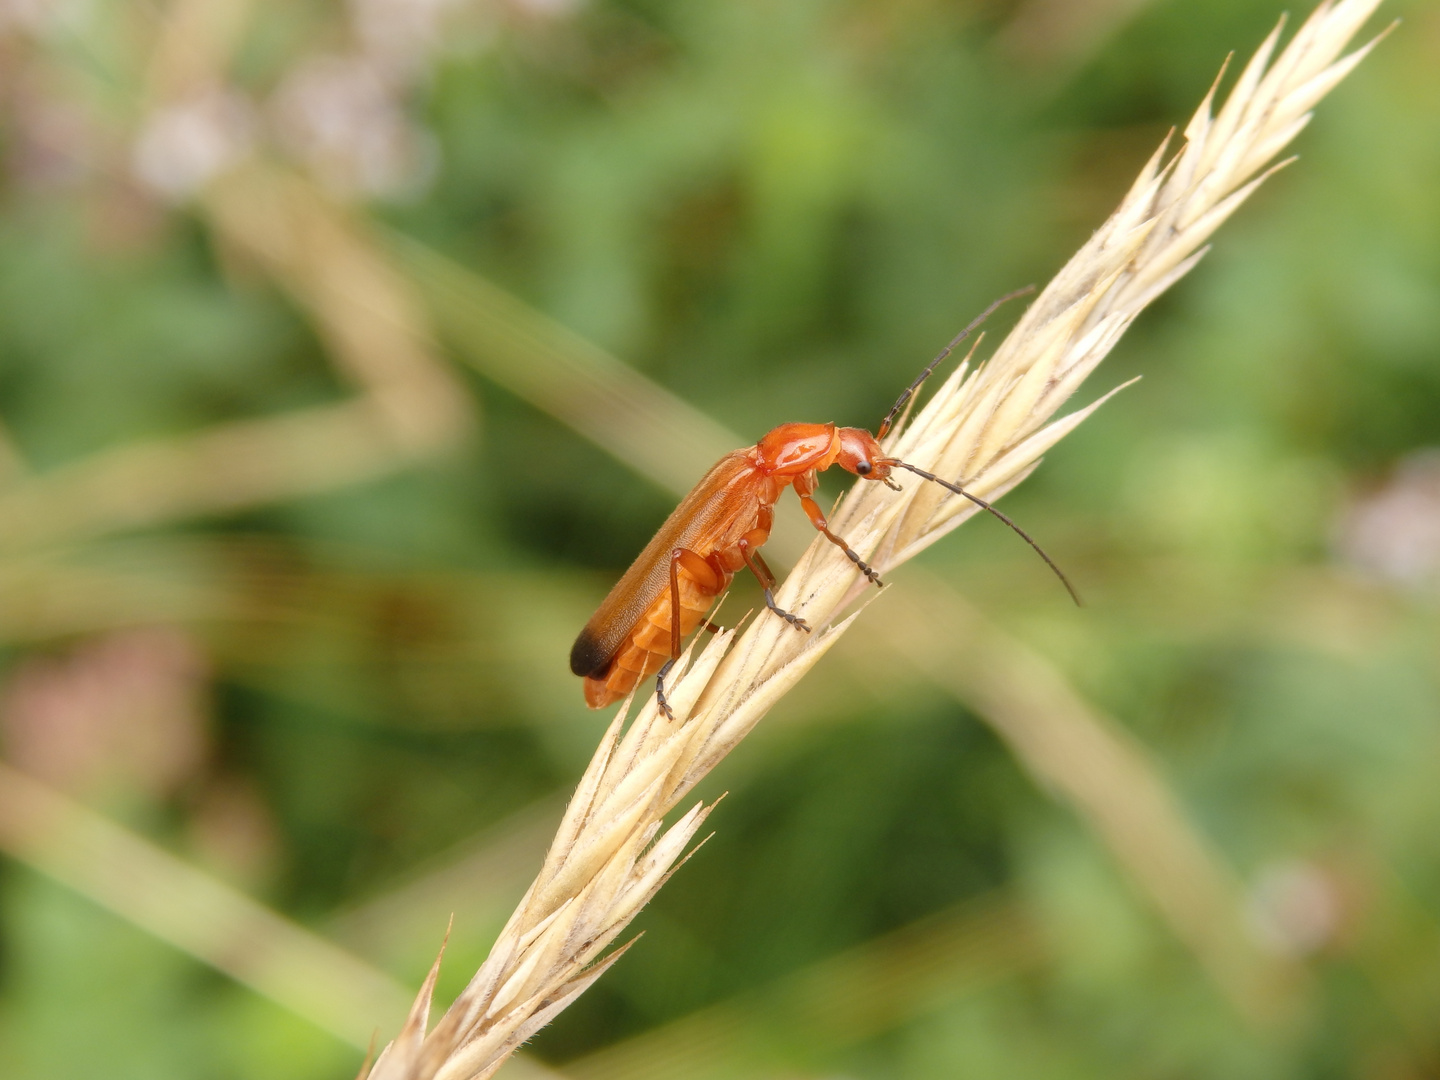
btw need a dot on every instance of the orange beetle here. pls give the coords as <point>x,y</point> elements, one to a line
<point>718,529</point>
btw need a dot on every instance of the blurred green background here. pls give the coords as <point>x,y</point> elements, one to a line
<point>320,328</point>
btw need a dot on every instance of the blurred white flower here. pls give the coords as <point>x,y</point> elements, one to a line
<point>30,16</point>
<point>400,35</point>
<point>1394,532</point>
<point>1295,908</point>
<point>342,116</point>
<point>545,8</point>
<point>186,144</point>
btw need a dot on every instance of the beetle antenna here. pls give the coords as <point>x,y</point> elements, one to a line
<point>958,490</point>
<point>914,386</point>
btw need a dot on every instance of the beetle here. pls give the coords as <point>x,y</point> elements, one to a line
<point>719,528</point>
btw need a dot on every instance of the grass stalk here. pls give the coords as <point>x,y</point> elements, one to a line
<point>986,427</point>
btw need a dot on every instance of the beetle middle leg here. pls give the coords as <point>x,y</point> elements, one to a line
<point>766,577</point>
<point>710,581</point>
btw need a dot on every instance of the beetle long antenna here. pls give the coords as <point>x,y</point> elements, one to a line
<point>914,386</point>
<point>958,490</point>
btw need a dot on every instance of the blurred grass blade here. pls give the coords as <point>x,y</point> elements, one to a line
<point>559,372</point>
<point>1075,752</point>
<point>836,1003</point>
<point>229,467</point>
<point>410,404</point>
<point>484,878</point>
<point>1057,37</point>
<point>196,913</point>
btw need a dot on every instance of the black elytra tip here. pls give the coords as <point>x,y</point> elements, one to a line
<point>586,657</point>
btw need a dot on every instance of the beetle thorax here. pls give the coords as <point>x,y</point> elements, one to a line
<point>794,449</point>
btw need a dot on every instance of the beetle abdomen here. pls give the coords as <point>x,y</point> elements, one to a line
<point>648,646</point>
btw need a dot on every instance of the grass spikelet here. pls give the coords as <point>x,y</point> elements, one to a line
<point>986,429</point>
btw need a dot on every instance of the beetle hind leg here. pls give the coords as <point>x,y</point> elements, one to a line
<point>711,581</point>
<point>660,690</point>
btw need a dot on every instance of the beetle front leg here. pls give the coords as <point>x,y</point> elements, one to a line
<point>817,518</point>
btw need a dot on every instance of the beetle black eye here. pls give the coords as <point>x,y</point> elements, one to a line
<point>862,468</point>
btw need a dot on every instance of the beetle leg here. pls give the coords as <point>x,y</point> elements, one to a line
<point>709,581</point>
<point>660,689</point>
<point>721,579</point>
<point>812,511</point>
<point>766,577</point>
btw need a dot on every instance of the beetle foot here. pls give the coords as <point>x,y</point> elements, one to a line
<point>660,692</point>
<point>794,620</point>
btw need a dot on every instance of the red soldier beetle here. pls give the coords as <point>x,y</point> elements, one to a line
<point>718,530</point>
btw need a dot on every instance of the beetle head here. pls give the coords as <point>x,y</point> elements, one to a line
<point>860,454</point>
